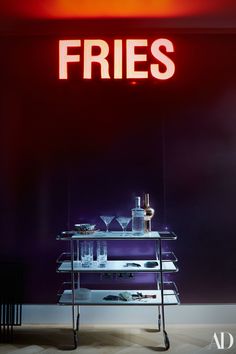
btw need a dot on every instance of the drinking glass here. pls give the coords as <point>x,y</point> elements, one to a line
<point>107,220</point>
<point>87,254</point>
<point>101,253</point>
<point>123,221</point>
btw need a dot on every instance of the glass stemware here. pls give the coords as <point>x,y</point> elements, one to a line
<point>107,220</point>
<point>123,221</point>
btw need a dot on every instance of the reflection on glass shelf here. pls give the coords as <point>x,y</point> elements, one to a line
<point>169,257</point>
<point>169,285</point>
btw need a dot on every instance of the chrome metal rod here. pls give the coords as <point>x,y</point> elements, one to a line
<point>72,282</point>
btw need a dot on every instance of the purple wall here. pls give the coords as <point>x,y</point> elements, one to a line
<point>71,150</point>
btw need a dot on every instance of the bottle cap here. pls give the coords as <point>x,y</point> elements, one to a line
<point>137,202</point>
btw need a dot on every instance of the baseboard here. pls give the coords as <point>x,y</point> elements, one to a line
<point>111,315</point>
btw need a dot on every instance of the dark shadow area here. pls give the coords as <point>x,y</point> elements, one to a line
<point>11,297</point>
<point>62,338</point>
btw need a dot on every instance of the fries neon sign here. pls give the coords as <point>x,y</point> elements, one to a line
<point>119,59</point>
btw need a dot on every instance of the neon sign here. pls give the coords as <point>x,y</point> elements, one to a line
<point>111,60</point>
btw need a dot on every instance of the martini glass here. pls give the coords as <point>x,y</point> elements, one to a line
<point>107,220</point>
<point>123,221</point>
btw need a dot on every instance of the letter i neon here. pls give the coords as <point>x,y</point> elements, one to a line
<point>118,59</point>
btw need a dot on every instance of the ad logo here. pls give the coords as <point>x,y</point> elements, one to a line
<point>222,341</point>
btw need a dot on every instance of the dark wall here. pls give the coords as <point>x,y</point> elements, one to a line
<point>72,150</point>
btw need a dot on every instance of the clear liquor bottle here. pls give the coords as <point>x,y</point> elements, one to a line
<point>138,217</point>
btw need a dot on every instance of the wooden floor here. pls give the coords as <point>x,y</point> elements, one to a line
<point>51,339</point>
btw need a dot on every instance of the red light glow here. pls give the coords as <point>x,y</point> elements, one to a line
<point>111,8</point>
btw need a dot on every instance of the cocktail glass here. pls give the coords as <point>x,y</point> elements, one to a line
<point>107,220</point>
<point>123,221</point>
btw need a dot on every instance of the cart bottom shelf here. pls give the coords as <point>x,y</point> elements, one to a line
<point>97,298</point>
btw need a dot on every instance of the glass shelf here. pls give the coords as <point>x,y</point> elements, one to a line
<point>166,257</point>
<point>97,298</point>
<point>117,266</point>
<point>117,235</point>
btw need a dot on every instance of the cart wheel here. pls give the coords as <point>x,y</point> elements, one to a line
<point>166,340</point>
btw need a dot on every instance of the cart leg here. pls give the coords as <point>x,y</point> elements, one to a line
<point>158,288</point>
<point>166,339</point>
<point>78,318</point>
<point>159,320</point>
<point>75,339</point>
<point>75,320</point>
<point>165,335</point>
<point>76,330</point>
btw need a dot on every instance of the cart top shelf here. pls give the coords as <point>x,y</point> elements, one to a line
<point>117,235</point>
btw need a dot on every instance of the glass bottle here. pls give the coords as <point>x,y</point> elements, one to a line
<point>138,217</point>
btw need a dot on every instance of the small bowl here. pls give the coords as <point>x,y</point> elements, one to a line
<point>67,233</point>
<point>84,227</point>
<point>82,294</point>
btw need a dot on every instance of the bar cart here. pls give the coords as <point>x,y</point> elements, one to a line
<point>165,294</point>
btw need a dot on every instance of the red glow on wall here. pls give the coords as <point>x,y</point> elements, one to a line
<point>111,8</point>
